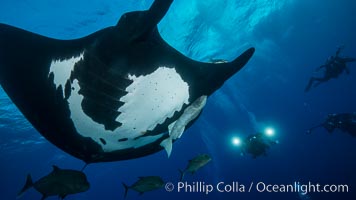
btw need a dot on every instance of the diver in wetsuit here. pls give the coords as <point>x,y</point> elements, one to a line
<point>257,145</point>
<point>346,122</point>
<point>334,66</point>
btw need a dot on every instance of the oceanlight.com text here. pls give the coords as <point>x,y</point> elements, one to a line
<point>261,187</point>
<point>302,188</point>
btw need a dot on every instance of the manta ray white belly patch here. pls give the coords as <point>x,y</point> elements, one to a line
<point>63,69</point>
<point>150,100</point>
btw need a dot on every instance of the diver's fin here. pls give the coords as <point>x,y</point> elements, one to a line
<point>126,189</point>
<point>28,185</point>
<point>182,173</point>
<point>167,144</point>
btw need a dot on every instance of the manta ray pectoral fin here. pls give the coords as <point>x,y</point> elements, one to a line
<point>140,24</point>
<point>217,73</point>
<point>241,61</point>
<point>167,144</point>
<point>157,11</point>
<point>228,69</point>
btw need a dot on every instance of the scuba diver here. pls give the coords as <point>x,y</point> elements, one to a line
<point>346,122</point>
<point>257,145</point>
<point>334,66</point>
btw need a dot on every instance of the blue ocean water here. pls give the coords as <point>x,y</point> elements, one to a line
<point>291,37</point>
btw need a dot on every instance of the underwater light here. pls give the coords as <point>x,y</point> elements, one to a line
<point>269,131</point>
<point>236,141</point>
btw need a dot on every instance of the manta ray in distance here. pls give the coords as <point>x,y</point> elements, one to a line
<point>119,93</point>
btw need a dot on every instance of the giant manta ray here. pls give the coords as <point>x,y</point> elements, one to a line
<point>119,93</point>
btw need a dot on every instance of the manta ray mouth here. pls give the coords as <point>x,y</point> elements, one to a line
<point>149,101</point>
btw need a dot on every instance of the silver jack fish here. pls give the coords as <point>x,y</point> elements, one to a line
<point>145,184</point>
<point>60,182</point>
<point>195,164</point>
